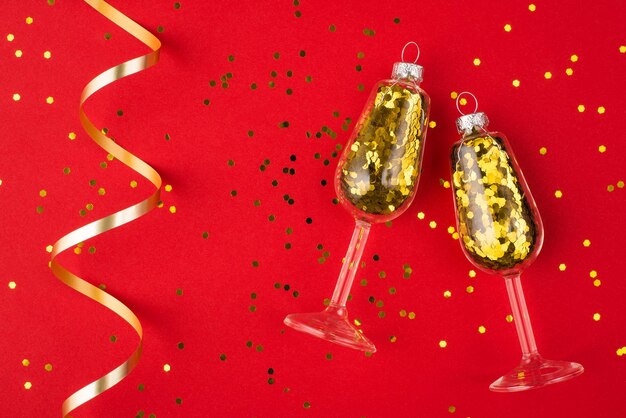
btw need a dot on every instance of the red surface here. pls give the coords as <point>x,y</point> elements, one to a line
<point>144,262</point>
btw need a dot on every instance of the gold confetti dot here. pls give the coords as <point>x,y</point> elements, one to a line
<point>43,193</point>
<point>166,368</point>
<point>172,209</point>
<point>509,318</point>
<point>420,215</point>
<point>17,97</point>
<point>593,274</point>
<point>18,53</point>
<point>432,124</point>
<point>558,194</point>
<point>610,188</point>
<point>601,110</point>
<point>432,224</point>
<point>12,285</point>
<point>620,184</point>
<point>450,229</point>
<point>532,7</point>
<point>25,362</point>
<point>586,243</point>
<point>547,75</point>
<point>71,136</point>
<point>49,248</point>
<point>50,100</point>
<point>469,289</point>
<point>463,101</point>
<point>101,191</point>
<point>507,28</point>
<point>411,315</point>
<point>543,150</point>
<point>29,20</point>
<point>77,250</point>
<point>168,187</point>
<point>454,95</point>
<point>622,48</point>
<point>47,55</point>
<point>455,235</point>
<point>402,313</point>
<point>452,409</point>
<point>596,316</point>
<point>28,385</point>
<point>602,148</point>
<point>10,37</point>
<point>597,283</point>
<point>133,184</point>
<point>581,108</point>
<point>446,184</point>
<point>516,83</point>
<point>482,329</point>
<point>471,273</point>
<point>569,71</point>
<point>48,367</point>
<point>443,344</point>
<point>574,58</point>
<point>562,267</point>
<point>447,294</point>
<point>476,61</point>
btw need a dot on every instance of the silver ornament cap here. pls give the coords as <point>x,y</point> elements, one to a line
<point>407,70</point>
<point>467,123</point>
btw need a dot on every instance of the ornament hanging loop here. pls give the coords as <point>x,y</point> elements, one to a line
<point>458,98</point>
<point>416,46</point>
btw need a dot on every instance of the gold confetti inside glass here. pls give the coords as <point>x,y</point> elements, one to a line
<point>500,232</point>
<point>375,180</point>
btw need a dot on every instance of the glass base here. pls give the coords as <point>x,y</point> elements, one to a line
<point>535,372</point>
<point>331,324</point>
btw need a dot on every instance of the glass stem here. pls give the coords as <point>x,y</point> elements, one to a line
<point>350,264</point>
<point>520,316</point>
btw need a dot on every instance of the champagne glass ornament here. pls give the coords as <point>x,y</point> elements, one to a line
<point>375,181</point>
<point>501,233</point>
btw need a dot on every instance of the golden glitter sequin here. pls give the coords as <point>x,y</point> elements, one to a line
<point>476,61</point>
<point>19,53</point>
<point>443,343</point>
<point>381,167</point>
<point>596,316</point>
<point>558,194</point>
<point>47,55</point>
<point>562,267</point>
<point>516,83</point>
<point>581,108</point>
<point>601,110</point>
<point>532,7</point>
<point>547,75</point>
<point>166,368</point>
<point>569,71</point>
<point>28,385</point>
<point>10,37</point>
<point>12,285</point>
<point>507,28</point>
<point>16,97</point>
<point>495,220</point>
<point>602,148</point>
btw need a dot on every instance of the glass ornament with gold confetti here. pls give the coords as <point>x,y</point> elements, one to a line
<point>500,232</point>
<point>375,180</point>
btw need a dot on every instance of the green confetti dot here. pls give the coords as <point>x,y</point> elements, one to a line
<point>295,293</point>
<point>250,134</point>
<point>141,387</point>
<point>359,67</point>
<point>360,87</point>
<point>360,55</point>
<point>298,13</point>
<point>212,83</point>
<point>180,345</point>
<point>160,29</point>
<point>363,282</point>
<point>231,58</point>
<point>113,338</point>
<point>381,314</point>
<point>392,290</point>
<point>252,308</point>
<point>179,292</point>
<point>284,124</point>
<point>259,348</point>
<point>308,78</point>
<point>177,5</point>
<point>271,380</point>
<point>332,28</point>
<point>369,32</point>
<point>167,137</point>
<point>302,53</point>
<point>271,218</point>
<point>382,274</point>
<point>249,344</point>
<point>223,357</point>
<point>107,36</point>
<point>120,112</point>
<point>329,356</point>
<point>288,246</point>
<point>289,92</point>
<point>289,73</point>
<point>231,163</point>
<point>233,193</point>
<point>206,102</point>
<point>253,86</point>
<point>50,2</point>
<point>276,55</point>
<point>271,84</point>
<point>179,401</point>
<point>306,405</point>
<point>205,235</point>
<point>255,263</point>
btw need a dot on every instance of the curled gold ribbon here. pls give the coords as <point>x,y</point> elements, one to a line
<point>116,219</point>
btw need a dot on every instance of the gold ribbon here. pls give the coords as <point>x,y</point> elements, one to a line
<point>119,218</point>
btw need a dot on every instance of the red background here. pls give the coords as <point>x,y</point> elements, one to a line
<point>145,262</point>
